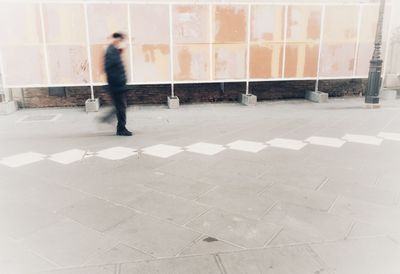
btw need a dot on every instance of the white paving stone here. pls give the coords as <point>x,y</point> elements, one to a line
<point>68,157</point>
<point>22,159</point>
<point>326,141</point>
<point>162,151</point>
<point>205,148</point>
<point>287,143</point>
<point>116,153</point>
<point>247,146</point>
<point>390,136</point>
<point>363,139</point>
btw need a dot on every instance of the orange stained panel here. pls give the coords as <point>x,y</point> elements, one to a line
<point>341,23</point>
<point>266,61</point>
<point>150,24</point>
<point>98,52</point>
<point>20,24</point>
<point>68,64</point>
<point>191,24</point>
<point>64,23</point>
<point>230,24</point>
<point>229,62</point>
<point>301,60</point>
<point>105,19</point>
<point>151,63</point>
<point>191,62</point>
<point>24,65</point>
<point>267,22</point>
<point>304,23</point>
<point>337,60</point>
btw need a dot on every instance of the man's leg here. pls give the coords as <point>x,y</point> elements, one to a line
<point>120,107</point>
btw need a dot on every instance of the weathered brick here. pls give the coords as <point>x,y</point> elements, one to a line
<point>196,92</point>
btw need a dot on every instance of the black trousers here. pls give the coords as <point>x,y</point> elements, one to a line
<point>119,110</point>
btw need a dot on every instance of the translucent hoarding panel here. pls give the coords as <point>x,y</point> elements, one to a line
<point>191,24</point>
<point>105,19</point>
<point>229,62</point>
<point>24,65</point>
<point>64,24</point>
<point>98,53</point>
<point>267,23</point>
<point>266,61</point>
<point>341,23</point>
<point>369,21</point>
<point>365,51</point>
<point>301,60</point>
<point>192,62</point>
<point>68,65</point>
<point>20,24</point>
<point>337,60</point>
<point>150,24</point>
<point>229,24</point>
<point>151,63</point>
<point>304,23</point>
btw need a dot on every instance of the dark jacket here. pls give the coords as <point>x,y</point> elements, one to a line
<point>115,70</point>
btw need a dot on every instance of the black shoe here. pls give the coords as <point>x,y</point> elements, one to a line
<point>124,132</point>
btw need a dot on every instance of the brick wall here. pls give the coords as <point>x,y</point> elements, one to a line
<point>193,93</point>
<point>39,97</point>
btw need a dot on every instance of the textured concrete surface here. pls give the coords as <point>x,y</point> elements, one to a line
<point>282,187</point>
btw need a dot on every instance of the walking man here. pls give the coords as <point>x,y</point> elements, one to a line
<point>116,78</point>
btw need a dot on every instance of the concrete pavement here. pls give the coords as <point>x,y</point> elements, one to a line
<point>282,187</point>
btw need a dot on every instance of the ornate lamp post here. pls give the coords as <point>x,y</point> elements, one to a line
<point>375,68</point>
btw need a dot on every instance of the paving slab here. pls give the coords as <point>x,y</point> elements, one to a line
<point>238,200</point>
<point>364,256</point>
<point>370,194</point>
<point>108,187</point>
<point>117,255</point>
<point>178,186</point>
<point>235,229</point>
<point>305,176</point>
<point>353,175</point>
<point>167,207</point>
<point>15,259</point>
<point>209,245</point>
<point>300,196</point>
<point>238,167</point>
<point>183,265</point>
<point>228,179</point>
<point>104,269</point>
<point>19,219</point>
<point>153,236</point>
<point>286,260</point>
<point>384,216</point>
<point>75,211</point>
<point>67,243</point>
<point>361,230</point>
<point>96,213</point>
<point>305,225</point>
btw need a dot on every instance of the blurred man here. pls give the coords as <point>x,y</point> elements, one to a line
<point>116,79</point>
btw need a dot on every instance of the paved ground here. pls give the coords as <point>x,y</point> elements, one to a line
<point>283,187</point>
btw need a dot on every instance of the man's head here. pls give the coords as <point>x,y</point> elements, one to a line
<point>118,39</point>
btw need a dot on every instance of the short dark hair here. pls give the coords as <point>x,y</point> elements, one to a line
<point>118,35</point>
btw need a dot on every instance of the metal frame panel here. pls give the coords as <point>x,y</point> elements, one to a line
<point>247,79</point>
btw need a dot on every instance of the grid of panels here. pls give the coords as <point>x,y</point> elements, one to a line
<point>66,43</point>
<point>185,42</point>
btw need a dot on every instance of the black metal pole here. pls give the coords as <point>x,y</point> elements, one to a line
<point>375,68</point>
